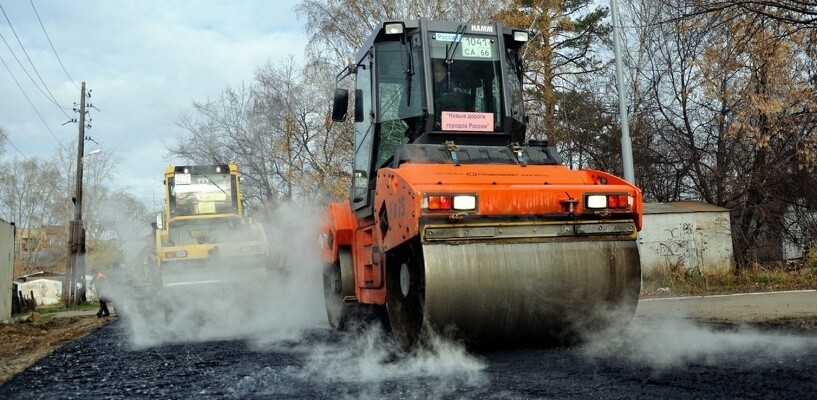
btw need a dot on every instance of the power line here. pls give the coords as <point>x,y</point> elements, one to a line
<point>52,45</point>
<point>27,98</point>
<point>15,148</point>
<point>52,98</point>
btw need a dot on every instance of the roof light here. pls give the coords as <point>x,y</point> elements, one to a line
<point>521,36</point>
<point>218,169</point>
<point>393,28</point>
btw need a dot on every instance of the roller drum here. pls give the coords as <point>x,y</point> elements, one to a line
<point>500,294</point>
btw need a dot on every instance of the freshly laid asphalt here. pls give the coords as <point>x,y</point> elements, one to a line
<point>663,354</point>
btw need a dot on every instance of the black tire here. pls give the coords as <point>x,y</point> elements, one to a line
<point>342,309</point>
<point>405,297</point>
<point>339,289</point>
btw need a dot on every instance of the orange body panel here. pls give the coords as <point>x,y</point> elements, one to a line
<point>501,190</point>
<point>337,230</point>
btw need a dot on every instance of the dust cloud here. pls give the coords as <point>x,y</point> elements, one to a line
<point>286,314</point>
<point>238,301</point>
<point>364,362</point>
<point>664,344</point>
<point>370,355</point>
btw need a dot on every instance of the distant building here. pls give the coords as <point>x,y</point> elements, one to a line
<point>34,239</point>
<point>694,236</point>
<point>801,227</point>
<point>46,287</point>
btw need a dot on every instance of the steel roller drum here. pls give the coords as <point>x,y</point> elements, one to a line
<point>500,294</point>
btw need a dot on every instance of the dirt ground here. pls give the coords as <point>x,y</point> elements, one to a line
<point>22,344</point>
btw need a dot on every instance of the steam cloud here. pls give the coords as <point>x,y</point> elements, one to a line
<point>288,315</point>
<point>668,343</point>
<point>236,306</point>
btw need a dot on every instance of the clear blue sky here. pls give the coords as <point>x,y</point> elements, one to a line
<point>145,61</point>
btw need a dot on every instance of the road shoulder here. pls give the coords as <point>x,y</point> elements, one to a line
<point>22,344</point>
<point>796,308</point>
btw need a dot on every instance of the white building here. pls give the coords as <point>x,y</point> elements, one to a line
<point>690,235</point>
<point>47,292</point>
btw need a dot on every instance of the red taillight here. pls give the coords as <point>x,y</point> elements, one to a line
<point>445,202</point>
<point>439,202</point>
<point>618,201</point>
<point>176,254</point>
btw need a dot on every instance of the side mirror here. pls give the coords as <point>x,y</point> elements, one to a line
<point>340,105</point>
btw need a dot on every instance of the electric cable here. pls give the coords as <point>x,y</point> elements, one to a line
<point>29,99</point>
<point>15,148</point>
<point>52,98</point>
<point>52,45</point>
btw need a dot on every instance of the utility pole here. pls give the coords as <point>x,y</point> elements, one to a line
<point>76,231</point>
<point>626,143</point>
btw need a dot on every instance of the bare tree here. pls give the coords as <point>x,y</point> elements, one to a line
<point>339,27</point>
<point>729,116</point>
<point>29,193</point>
<point>563,51</point>
<point>796,12</point>
<point>277,130</point>
<point>3,139</point>
<point>315,150</point>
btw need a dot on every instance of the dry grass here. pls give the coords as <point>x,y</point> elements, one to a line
<point>758,278</point>
<point>45,310</point>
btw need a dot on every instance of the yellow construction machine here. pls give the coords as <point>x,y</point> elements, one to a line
<point>203,236</point>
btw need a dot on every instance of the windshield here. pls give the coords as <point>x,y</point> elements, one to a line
<point>467,82</point>
<point>399,96</point>
<point>193,194</point>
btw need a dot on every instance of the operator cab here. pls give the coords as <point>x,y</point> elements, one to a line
<point>421,82</point>
<point>202,191</point>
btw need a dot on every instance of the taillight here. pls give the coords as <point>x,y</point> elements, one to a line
<point>447,202</point>
<point>601,201</point>
<point>618,201</point>
<point>176,254</point>
<point>435,202</point>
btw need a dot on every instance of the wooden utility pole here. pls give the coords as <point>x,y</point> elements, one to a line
<point>76,231</point>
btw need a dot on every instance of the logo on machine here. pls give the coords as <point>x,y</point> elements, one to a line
<point>482,28</point>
